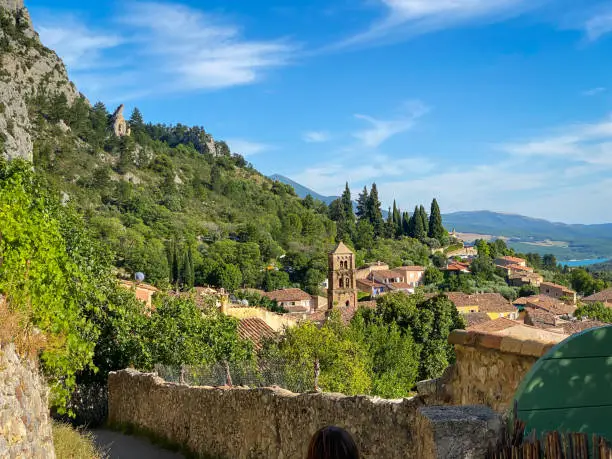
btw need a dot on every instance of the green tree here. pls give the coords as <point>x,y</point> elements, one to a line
<point>275,280</point>
<point>594,311</point>
<point>364,237</point>
<point>188,275</point>
<point>362,203</point>
<point>433,276</point>
<point>397,220</point>
<point>483,248</point>
<point>425,219</point>
<point>549,262</point>
<point>584,283</point>
<point>227,276</point>
<point>418,228</point>
<point>373,213</point>
<point>436,230</point>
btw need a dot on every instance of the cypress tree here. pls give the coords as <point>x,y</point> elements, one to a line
<point>425,219</point>
<point>397,220</point>
<point>419,227</point>
<point>374,213</point>
<point>405,223</point>
<point>412,222</point>
<point>362,203</point>
<point>188,275</point>
<point>347,203</point>
<point>176,268</point>
<point>436,230</point>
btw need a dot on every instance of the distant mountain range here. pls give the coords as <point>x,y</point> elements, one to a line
<point>303,191</point>
<point>526,234</point>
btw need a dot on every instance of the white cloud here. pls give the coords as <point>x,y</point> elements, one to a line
<point>75,43</point>
<point>584,143</point>
<point>598,26</point>
<point>415,17</point>
<point>594,91</point>
<point>381,130</point>
<point>316,137</point>
<point>330,177</point>
<point>201,50</point>
<point>247,147</point>
<point>164,47</point>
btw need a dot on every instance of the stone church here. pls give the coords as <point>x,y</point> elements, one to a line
<point>342,286</point>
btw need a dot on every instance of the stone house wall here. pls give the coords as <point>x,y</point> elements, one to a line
<point>25,425</point>
<point>272,423</point>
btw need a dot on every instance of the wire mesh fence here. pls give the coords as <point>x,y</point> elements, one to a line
<point>262,373</point>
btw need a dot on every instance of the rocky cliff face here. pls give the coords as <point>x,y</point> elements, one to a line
<point>26,68</point>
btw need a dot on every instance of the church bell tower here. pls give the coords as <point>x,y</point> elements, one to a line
<point>342,284</point>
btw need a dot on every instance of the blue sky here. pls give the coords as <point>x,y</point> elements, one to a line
<point>502,105</point>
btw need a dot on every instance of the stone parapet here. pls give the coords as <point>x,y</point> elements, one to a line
<point>242,423</point>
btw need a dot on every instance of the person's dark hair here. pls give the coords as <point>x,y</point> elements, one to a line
<point>332,443</point>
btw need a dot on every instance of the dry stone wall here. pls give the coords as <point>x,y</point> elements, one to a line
<point>25,426</point>
<point>270,423</point>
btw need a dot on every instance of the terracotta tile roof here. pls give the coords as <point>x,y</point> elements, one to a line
<point>549,304</point>
<point>512,259</point>
<point>342,249</point>
<point>401,285</point>
<point>387,274</point>
<point>526,269</point>
<point>298,309</point>
<point>493,325</point>
<point>457,267</point>
<point>475,318</point>
<point>410,268</point>
<point>603,296</point>
<point>255,330</point>
<point>522,301</point>
<point>369,283</point>
<point>557,286</point>
<point>486,302</point>
<point>288,294</point>
<point>580,325</point>
<point>540,318</point>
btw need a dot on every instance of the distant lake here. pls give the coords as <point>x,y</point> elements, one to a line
<point>592,261</point>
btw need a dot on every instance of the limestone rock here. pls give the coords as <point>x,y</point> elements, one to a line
<point>120,126</point>
<point>26,67</point>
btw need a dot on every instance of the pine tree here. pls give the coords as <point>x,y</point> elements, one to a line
<point>412,222</point>
<point>436,230</point>
<point>136,120</point>
<point>362,203</point>
<point>99,123</point>
<point>424,219</point>
<point>374,214</point>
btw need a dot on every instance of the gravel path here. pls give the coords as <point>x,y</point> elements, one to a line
<point>120,446</point>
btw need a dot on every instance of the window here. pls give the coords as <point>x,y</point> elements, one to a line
<point>341,283</point>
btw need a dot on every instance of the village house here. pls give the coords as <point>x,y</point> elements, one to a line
<point>492,304</point>
<point>364,272</point>
<point>412,275</point>
<point>605,297</point>
<point>293,300</point>
<point>521,278</point>
<point>558,291</point>
<point>457,267</point>
<point>463,253</point>
<point>386,277</point>
<point>143,292</point>
<point>371,287</point>
<point>509,261</point>
<point>551,305</point>
<point>255,330</point>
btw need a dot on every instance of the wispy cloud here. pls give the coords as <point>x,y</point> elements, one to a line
<point>328,177</point>
<point>381,130</point>
<point>599,25</point>
<point>583,143</point>
<point>247,147</point>
<point>316,137</point>
<point>203,50</point>
<point>414,17</point>
<point>593,91</point>
<point>168,47</point>
<point>79,46</point>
